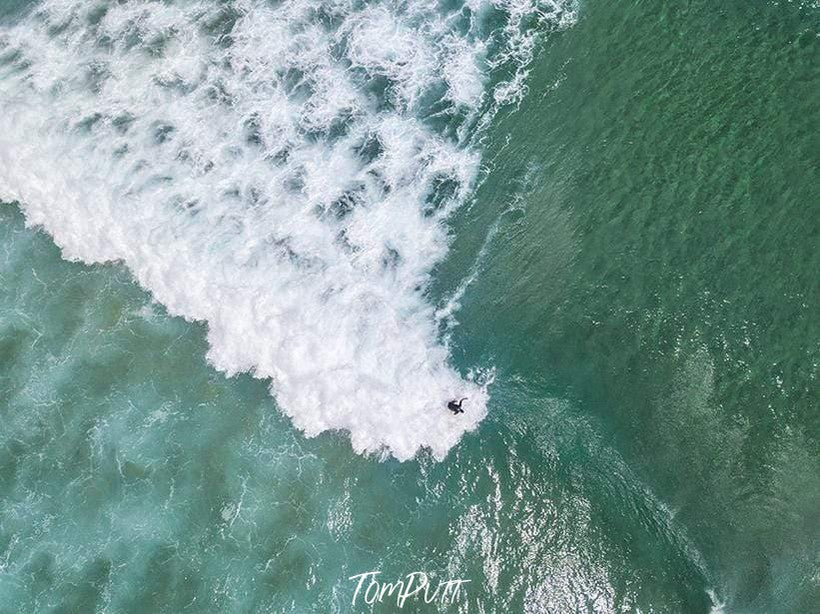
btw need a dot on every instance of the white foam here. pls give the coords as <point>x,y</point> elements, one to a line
<point>267,168</point>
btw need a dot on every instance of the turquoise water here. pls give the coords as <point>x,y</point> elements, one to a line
<point>635,262</point>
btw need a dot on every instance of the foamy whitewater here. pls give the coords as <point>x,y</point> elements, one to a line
<point>282,171</point>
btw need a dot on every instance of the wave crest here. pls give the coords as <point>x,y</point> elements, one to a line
<point>281,172</point>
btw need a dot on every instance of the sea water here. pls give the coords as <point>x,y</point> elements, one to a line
<point>251,249</point>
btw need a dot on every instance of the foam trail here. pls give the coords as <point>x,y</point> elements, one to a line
<point>270,169</point>
<point>445,315</point>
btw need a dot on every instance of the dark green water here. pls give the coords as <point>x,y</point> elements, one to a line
<point>659,267</point>
<point>648,294</point>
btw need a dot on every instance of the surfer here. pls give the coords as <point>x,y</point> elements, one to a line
<point>455,406</point>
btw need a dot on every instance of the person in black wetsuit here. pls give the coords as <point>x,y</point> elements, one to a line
<point>455,406</point>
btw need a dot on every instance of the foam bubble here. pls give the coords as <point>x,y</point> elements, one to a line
<point>268,169</point>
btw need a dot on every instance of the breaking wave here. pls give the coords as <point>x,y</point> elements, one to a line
<point>280,170</point>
